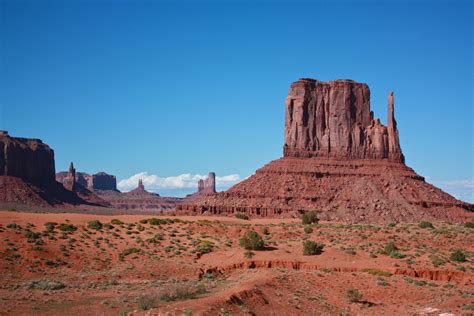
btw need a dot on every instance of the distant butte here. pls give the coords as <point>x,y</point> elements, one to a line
<point>337,160</point>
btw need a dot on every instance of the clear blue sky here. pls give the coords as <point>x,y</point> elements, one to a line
<point>171,87</point>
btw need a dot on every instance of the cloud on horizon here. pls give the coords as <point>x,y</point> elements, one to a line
<point>155,183</point>
<point>462,189</point>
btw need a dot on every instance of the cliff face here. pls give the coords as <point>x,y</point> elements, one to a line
<point>333,119</point>
<point>98,181</point>
<point>207,185</point>
<point>26,158</point>
<point>339,161</point>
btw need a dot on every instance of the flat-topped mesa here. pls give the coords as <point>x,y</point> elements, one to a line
<point>207,185</point>
<point>333,119</point>
<point>27,158</point>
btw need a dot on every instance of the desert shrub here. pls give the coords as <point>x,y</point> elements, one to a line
<point>309,218</point>
<point>436,261</point>
<point>425,225</point>
<point>391,250</point>
<point>13,226</point>
<point>377,272</point>
<point>458,256</point>
<point>181,291</point>
<point>353,295</point>
<point>242,216</point>
<point>109,226</point>
<point>128,251</point>
<point>32,236</point>
<point>308,230</point>
<point>155,221</point>
<point>143,221</point>
<point>116,221</point>
<point>469,224</point>
<point>392,224</point>
<point>252,241</point>
<point>147,301</point>
<point>311,248</point>
<point>45,285</point>
<point>95,224</point>
<point>265,231</point>
<point>204,247</point>
<point>67,227</point>
<point>50,226</point>
<point>249,254</point>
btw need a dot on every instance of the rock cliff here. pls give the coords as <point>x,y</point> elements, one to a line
<point>338,161</point>
<point>207,186</point>
<point>333,119</point>
<point>26,158</point>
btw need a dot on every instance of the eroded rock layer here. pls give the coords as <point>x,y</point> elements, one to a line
<point>338,161</point>
<point>333,119</point>
<point>341,190</point>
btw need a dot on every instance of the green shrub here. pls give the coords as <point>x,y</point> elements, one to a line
<point>50,226</point>
<point>377,272</point>
<point>389,248</point>
<point>309,218</point>
<point>308,230</point>
<point>458,256</point>
<point>469,224</point>
<point>242,216</point>
<point>116,221</point>
<point>95,224</point>
<point>425,225</point>
<point>353,295</point>
<point>13,226</point>
<point>311,248</point>
<point>204,247</point>
<point>249,254</point>
<point>67,227</point>
<point>155,221</point>
<point>128,251</point>
<point>252,241</point>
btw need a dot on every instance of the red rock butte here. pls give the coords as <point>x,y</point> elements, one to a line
<point>337,160</point>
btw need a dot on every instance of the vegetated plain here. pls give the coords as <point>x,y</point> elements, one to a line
<point>56,264</point>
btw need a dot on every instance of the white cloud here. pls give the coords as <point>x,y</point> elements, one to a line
<point>462,189</point>
<point>183,181</point>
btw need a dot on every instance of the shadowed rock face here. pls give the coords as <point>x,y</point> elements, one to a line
<point>26,158</point>
<point>98,181</point>
<point>333,119</point>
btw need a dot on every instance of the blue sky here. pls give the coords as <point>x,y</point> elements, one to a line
<point>172,87</point>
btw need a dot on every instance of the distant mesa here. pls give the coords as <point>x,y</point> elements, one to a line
<point>27,174</point>
<point>98,181</point>
<point>337,160</point>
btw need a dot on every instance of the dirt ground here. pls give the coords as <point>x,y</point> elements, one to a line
<point>85,264</point>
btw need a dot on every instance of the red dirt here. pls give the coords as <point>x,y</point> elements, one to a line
<point>279,280</point>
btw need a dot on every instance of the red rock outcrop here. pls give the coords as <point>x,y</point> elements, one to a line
<point>339,161</point>
<point>26,158</point>
<point>333,119</point>
<point>98,181</point>
<point>207,186</point>
<point>27,175</point>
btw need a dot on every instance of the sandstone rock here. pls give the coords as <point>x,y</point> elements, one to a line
<point>208,185</point>
<point>26,158</point>
<point>104,181</point>
<point>333,119</point>
<point>339,161</point>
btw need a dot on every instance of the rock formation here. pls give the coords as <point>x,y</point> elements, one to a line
<point>27,174</point>
<point>333,119</point>
<point>339,161</point>
<point>98,181</point>
<point>207,186</point>
<point>26,158</point>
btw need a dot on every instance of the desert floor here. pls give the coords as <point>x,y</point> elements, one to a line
<point>62,264</point>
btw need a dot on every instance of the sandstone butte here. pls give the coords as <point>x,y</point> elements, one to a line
<point>339,161</point>
<point>27,174</point>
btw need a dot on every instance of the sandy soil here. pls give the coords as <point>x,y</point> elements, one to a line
<point>195,266</point>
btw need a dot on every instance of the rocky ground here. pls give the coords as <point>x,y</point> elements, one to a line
<point>62,264</point>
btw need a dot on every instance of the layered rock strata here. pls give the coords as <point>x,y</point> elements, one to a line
<point>339,161</point>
